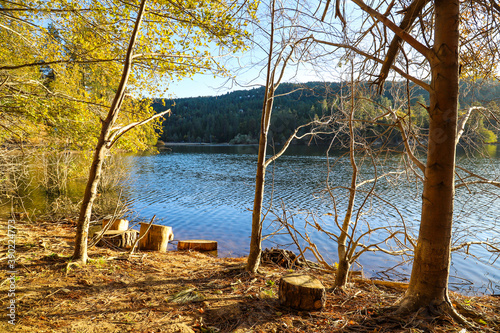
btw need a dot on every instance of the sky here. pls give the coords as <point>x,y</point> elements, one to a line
<point>251,77</point>
<point>249,69</point>
<point>200,85</point>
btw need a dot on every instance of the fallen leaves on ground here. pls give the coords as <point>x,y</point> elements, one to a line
<point>191,292</point>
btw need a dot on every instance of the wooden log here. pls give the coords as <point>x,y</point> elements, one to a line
<point>118,224</point>
<point>123,239</point>
<point>197,245</point>
<point>157,237</point>
<point>302,292</point>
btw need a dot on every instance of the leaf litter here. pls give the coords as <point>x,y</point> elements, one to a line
<point>193,292</point>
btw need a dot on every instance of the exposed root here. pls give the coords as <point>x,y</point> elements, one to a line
<point>426,318</point>
<point>340,291</point>
<point>435,309</point>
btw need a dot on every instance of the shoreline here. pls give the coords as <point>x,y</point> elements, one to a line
<point>226,144</point>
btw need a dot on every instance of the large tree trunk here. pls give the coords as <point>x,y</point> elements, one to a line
<point>429,277</point>
<point>82,230</point>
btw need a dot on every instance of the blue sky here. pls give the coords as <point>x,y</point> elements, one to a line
<point>200,85</point>
<point>251,76</point>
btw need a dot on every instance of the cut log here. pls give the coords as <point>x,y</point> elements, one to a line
<point>123,239</point>
<point>302,292</point>
<point>197,245</point>
<point>157,237</point>
<point>118,224</point>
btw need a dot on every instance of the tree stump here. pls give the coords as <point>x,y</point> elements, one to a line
<point>302,292</point>
<point>197,245</point>
<point>118,224</point>
<point>157,237</point>
<point>123,239</point>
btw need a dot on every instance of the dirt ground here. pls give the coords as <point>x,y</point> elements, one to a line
<point>188,292</point>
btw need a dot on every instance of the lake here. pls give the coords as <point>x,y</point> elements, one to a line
<point>206,192</point>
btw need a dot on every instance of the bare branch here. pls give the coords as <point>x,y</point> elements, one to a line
<point>463,122</point>
<point>489,246</point>
<point>411,13</point>
<point>484,182</point>
<point>404,35</point>
<point>371,57</point>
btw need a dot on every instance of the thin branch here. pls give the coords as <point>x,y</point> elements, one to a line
<point>424,50</point>
<point>489,247</point>
<point>485,182</point>
<point>64,61</point>
<point>121,131</point>
<point>143,235</point>
<point>371,57</point>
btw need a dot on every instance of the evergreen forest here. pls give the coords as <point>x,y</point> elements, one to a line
<point>235,116</point>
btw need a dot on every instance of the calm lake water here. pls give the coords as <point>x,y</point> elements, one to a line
<point>206,192</point>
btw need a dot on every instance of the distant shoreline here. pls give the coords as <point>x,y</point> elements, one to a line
<point>167,144</point>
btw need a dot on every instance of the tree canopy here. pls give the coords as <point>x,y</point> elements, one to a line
<point>60,62</point>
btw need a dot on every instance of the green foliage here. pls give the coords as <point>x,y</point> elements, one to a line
<point>236,116</point>
<point>243,139</point>
<point>487,136</point>
<point>61,61</point>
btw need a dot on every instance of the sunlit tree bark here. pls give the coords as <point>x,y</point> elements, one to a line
<point>81,241</point>
<point>439,46</point>
<point>429,277</point>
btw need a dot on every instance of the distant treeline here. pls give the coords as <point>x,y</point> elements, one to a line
<point>235,116</point>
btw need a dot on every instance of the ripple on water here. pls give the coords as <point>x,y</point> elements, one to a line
<point>208,193</point>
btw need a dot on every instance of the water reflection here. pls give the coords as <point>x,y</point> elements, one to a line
<point>49,185</point>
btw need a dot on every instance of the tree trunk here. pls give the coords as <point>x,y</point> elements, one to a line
<point>119,238</point>
<point>118,224</point>
<point>429,278</point>
<point>342,274</point>
<point>197,245</point>
<point>345,256</point>
<point>253,261</point>
<point>82,230</point>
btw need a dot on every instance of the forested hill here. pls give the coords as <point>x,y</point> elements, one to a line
<point>235,116</point>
